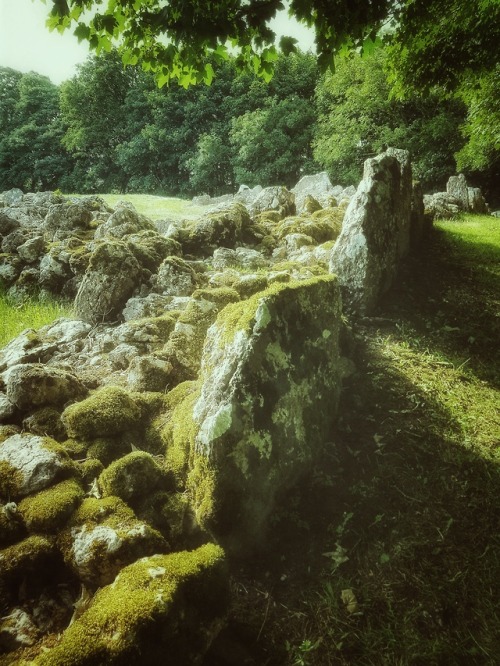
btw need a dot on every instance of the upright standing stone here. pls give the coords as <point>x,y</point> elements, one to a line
<point>375,232</point>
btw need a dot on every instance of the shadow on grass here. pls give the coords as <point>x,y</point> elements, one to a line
<point>403,509</point>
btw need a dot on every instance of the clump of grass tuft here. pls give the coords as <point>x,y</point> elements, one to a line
<point>30,313</point>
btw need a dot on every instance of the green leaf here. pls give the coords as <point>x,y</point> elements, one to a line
<point>288,45</point>
<point>208,74</point>
<point>384,558</point>
<point>82,32</point>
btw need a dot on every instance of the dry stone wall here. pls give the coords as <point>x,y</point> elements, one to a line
<point>151,436</point>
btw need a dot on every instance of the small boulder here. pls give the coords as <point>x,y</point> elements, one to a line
<point>111,278</point>
<point>35,384</point>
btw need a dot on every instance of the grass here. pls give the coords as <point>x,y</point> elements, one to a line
<point>389,552</point>
<point>154,207</point>
<point>31,313</point>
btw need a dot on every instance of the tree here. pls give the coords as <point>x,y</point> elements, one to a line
<point>179,39</point>
<point>93,110</point>
<point>357,116</point>
<point>272,145</point>
<point>31,155</point>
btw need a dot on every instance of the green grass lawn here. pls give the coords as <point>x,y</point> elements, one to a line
<point>154,207</point>
<point>32,313</point>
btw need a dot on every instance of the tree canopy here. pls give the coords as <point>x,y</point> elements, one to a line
<point>434,41</point>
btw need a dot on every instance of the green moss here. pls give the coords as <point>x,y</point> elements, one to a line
<point>45,421</point>
<point>7,431</point>
<point>107,449</point>
<point>75,448</point>
<point>202,485</point>
<point>93,511</point>
<point>49,509</point>
<point>25,556</point>
<point>185,345</point>
<point>180,431</point>
<point>90,470</point>
<point>251,285</point>
<point>131,477</point>
<point>108,411</point>
<point>165,604</point>
<point>11,480</point>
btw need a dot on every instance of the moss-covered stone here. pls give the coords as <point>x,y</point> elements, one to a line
<point>269,385</point>
<point>107,412</point>
<point>107,449</point>
<point>103,536</point>
<point>29,463</point>
<point>171,514</point>
<point>11,524</point>
<point>46,421</point>
<point>25,556</point>
<point>132,476</point>
<point>7,431</point>
<point>162,605</point>
<point>180,430</point>
<point>90,470</point>
<point>186,342</point>
<point>48,510</point>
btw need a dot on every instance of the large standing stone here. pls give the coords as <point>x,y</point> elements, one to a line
<point>269,389</point>
<point>375,232</point>
<point>111,278</point>
<point>457,188</point>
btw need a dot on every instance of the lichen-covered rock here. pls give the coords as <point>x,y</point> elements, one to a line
<point>375,232</point>
<point>150,249</point>
<point>111,278</point>
<point>103,536</point>
<point>152,305</point>
<point>457,188</point>
<point>17,630</point>
<point>12,197</point>
<point>7,408</point>
<point>29,463</point>
<point>274,198</point>
<point>477,202</point>
<point>11,266</point>
<point>222,228</point>
<point>32,249</point>
<point>149,373</point>
<point>268,396</point>
<point>317,186</point>
<point>108,411</point>
<point>35,384</point>
<point>185,344</point>
<point>123,221</point>
<point>161,605</point>
<point>176,277</point>
<point>66,219</point>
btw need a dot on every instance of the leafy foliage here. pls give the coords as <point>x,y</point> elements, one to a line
<point>180,39</point>
<point>31,155</point>
<point>357,116</point>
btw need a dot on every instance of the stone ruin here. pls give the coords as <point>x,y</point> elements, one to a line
<point>151,437</point>
<point>458,198</point>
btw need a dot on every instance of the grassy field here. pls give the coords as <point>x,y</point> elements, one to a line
<point>32,313</point>
<point>154,207</point>
<point>388,554</point>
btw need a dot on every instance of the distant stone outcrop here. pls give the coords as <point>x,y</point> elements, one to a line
<point>458,198</point>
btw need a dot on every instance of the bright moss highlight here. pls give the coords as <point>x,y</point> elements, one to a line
<point>161,605</point>
<point>130,477</point>
<point>108,411</point>
<point>48,510</point>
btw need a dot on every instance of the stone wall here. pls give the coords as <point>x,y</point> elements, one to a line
<point>198,383</point>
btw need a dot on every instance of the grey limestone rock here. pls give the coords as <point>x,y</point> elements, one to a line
<point>376,231</point>
<point>274,198</point>
<point>36,384</point>
<point>34,461</point>
<point>110,280</point>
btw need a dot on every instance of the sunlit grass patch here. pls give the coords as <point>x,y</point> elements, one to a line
<point>155,207</point>
<point>31,313</point>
